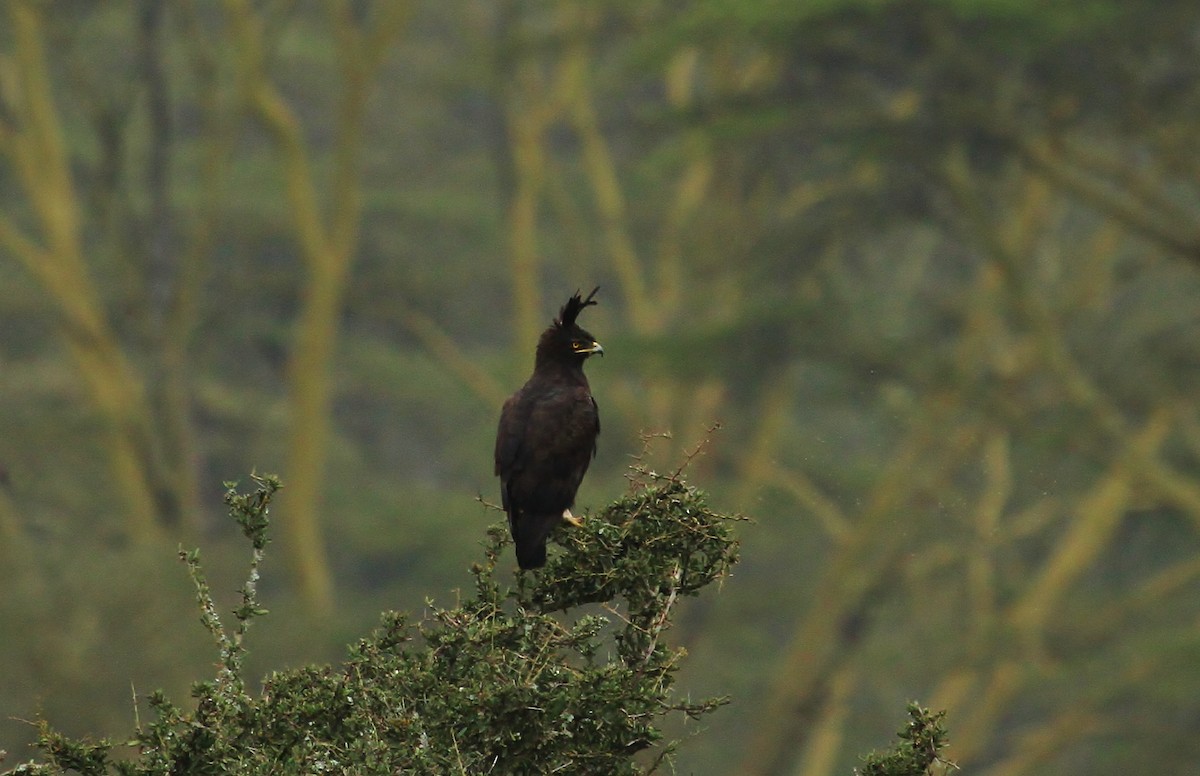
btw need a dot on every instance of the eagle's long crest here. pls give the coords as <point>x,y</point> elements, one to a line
<point>570,311</point>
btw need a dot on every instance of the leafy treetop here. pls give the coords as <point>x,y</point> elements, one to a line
<point>513,679</point>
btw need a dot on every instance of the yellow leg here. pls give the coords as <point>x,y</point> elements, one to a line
<point>570,518</point>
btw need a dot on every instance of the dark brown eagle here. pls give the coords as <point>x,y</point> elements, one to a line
<point>547,435</point>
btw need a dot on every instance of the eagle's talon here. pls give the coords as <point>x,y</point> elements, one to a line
<point>572,519</point>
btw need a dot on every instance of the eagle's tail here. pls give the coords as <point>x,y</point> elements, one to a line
<point>531,555</point>
<point>530,533</point>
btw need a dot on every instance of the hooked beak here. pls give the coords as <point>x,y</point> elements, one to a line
<point>595,349</point>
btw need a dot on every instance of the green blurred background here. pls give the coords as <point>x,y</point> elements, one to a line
<point>933,265</point>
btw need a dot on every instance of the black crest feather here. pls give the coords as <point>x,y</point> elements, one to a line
<point>570,311</point>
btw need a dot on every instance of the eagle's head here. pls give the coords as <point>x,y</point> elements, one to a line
<point>565,342</point>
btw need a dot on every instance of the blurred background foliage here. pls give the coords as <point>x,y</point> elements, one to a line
<point>934,264</point>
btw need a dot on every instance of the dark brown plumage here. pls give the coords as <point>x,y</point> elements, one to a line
<point>547,435</point>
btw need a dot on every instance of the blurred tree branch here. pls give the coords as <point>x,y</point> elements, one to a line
<point>1093,526</point>
<point>979,696</point>
<point>600,167</point>
<point>217,122</point>
<point>1039,747</point>
<point>529,106</point>
<point>1134,190</point>
<point>478,380</point>
<point>32,136</point>
<point>327,242</point>
<point>859,566</point>
<point>1132,199</point>
<point>829,729</point>
<point>1052,348</point>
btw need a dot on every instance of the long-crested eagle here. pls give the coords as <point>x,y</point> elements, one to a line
<point>547,435</point>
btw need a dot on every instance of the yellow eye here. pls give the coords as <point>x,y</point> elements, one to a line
<point>577,345</point>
